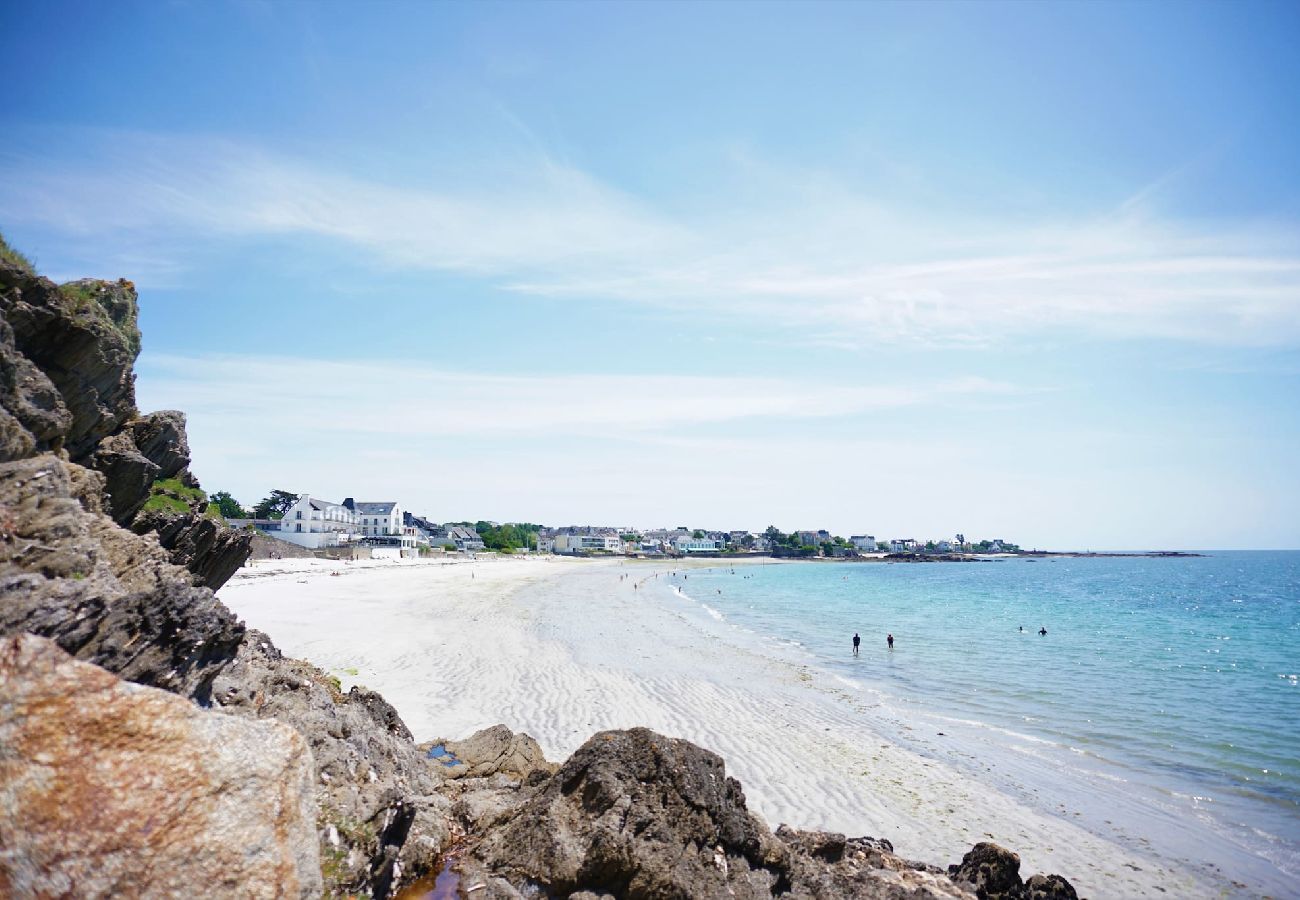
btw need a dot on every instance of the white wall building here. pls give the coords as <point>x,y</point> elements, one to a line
<point>688,544</point>
<point>377,518</point>
<point>315,523</point>
<point>865,542</point>
<point>586,543</point>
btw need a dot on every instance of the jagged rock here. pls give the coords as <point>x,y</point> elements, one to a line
<point>83,337</point>
<point>128,474</point>
<point>210,550</point>
<point>636,814</point>
<point>994,872</point>
<point>146,449</point>
<point>160,437</point>
<point>108,789</point>
<point>33,416</point>
<point>102,593</point>
<point>494,750</point>
<point>382,820</point>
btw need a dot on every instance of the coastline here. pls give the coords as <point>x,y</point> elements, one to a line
<point>561,648</point>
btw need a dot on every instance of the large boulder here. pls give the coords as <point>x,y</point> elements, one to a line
<point>634,814</point>
<point>109,789</point>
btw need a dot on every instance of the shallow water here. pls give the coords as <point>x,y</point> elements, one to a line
<point>1174,680</point>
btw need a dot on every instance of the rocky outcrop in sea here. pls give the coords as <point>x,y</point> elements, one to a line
<point>151,745</point>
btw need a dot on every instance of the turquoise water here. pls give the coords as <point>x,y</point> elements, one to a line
<point>1175,679</point>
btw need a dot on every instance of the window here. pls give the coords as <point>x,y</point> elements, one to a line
<point>300,513</point>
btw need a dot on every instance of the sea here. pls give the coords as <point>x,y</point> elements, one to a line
<point>1164,698</point>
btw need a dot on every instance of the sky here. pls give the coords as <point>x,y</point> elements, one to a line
<point>1019,271</point>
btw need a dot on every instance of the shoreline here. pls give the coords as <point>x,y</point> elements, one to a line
<point>546,645</point>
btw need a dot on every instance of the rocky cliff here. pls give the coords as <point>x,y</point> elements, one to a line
<point>150,745</point>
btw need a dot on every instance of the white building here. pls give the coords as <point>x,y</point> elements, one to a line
<point>587,543</point>
<point>865,542</point>
<point>688,544</point>
<point>902,545</point>
<point>315,523</point>
<point>377,519</point>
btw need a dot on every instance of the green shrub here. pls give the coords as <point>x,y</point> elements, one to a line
<point>14,258</point>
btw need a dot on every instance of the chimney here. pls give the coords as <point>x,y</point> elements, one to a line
<point>350,504</point>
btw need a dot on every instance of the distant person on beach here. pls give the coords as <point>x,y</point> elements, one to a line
<point>1022,628</point>
<point>889,639</point>
<point>856,640</point>
<point>1043,631</point>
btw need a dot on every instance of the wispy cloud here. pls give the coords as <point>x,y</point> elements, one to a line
<point>796,250</point>
<point>407,399</point>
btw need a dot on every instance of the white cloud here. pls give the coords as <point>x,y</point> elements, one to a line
<point>303,397</point>
<point>806,253</point>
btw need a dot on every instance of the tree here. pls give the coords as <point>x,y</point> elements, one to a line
<point>774,535</point>
<point>229,506</point>
<point>275,505</point>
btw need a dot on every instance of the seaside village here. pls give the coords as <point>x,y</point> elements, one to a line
<point>376,529</point>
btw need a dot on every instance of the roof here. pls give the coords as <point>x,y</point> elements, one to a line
<point>318,503</point>
<point>371,509</point>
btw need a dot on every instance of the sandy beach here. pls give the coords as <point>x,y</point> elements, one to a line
<point>561,648</point>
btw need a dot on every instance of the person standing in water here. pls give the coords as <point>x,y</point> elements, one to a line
<point>1042,632</point>
<point>856,640</point>
<point>889,639</point>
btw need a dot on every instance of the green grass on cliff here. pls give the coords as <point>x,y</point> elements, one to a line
<point>112,303</point>
<point>13,257</point>
<point>169,495</point>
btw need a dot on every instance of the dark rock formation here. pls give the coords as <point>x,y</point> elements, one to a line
<point>380,811</point>
<point>66,385</point>
<point>147,449</point>
<point>994,872</point>
<point>208,549</point>
<point>636,814</point>
<point>83,337</point>
<point>112,790</point>
<point>103,594</point>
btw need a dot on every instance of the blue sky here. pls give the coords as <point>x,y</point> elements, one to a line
<point>1027,271</point>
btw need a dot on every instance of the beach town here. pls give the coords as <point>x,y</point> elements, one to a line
<point>385,529</point>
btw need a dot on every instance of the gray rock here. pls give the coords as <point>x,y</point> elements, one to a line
<point>635,814</point>
<point>109,789</point>
<point>495,750</point>
<point>211,551</point>
<point>83,337</point>
<point>103,594</point>
<point>382,820</point>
